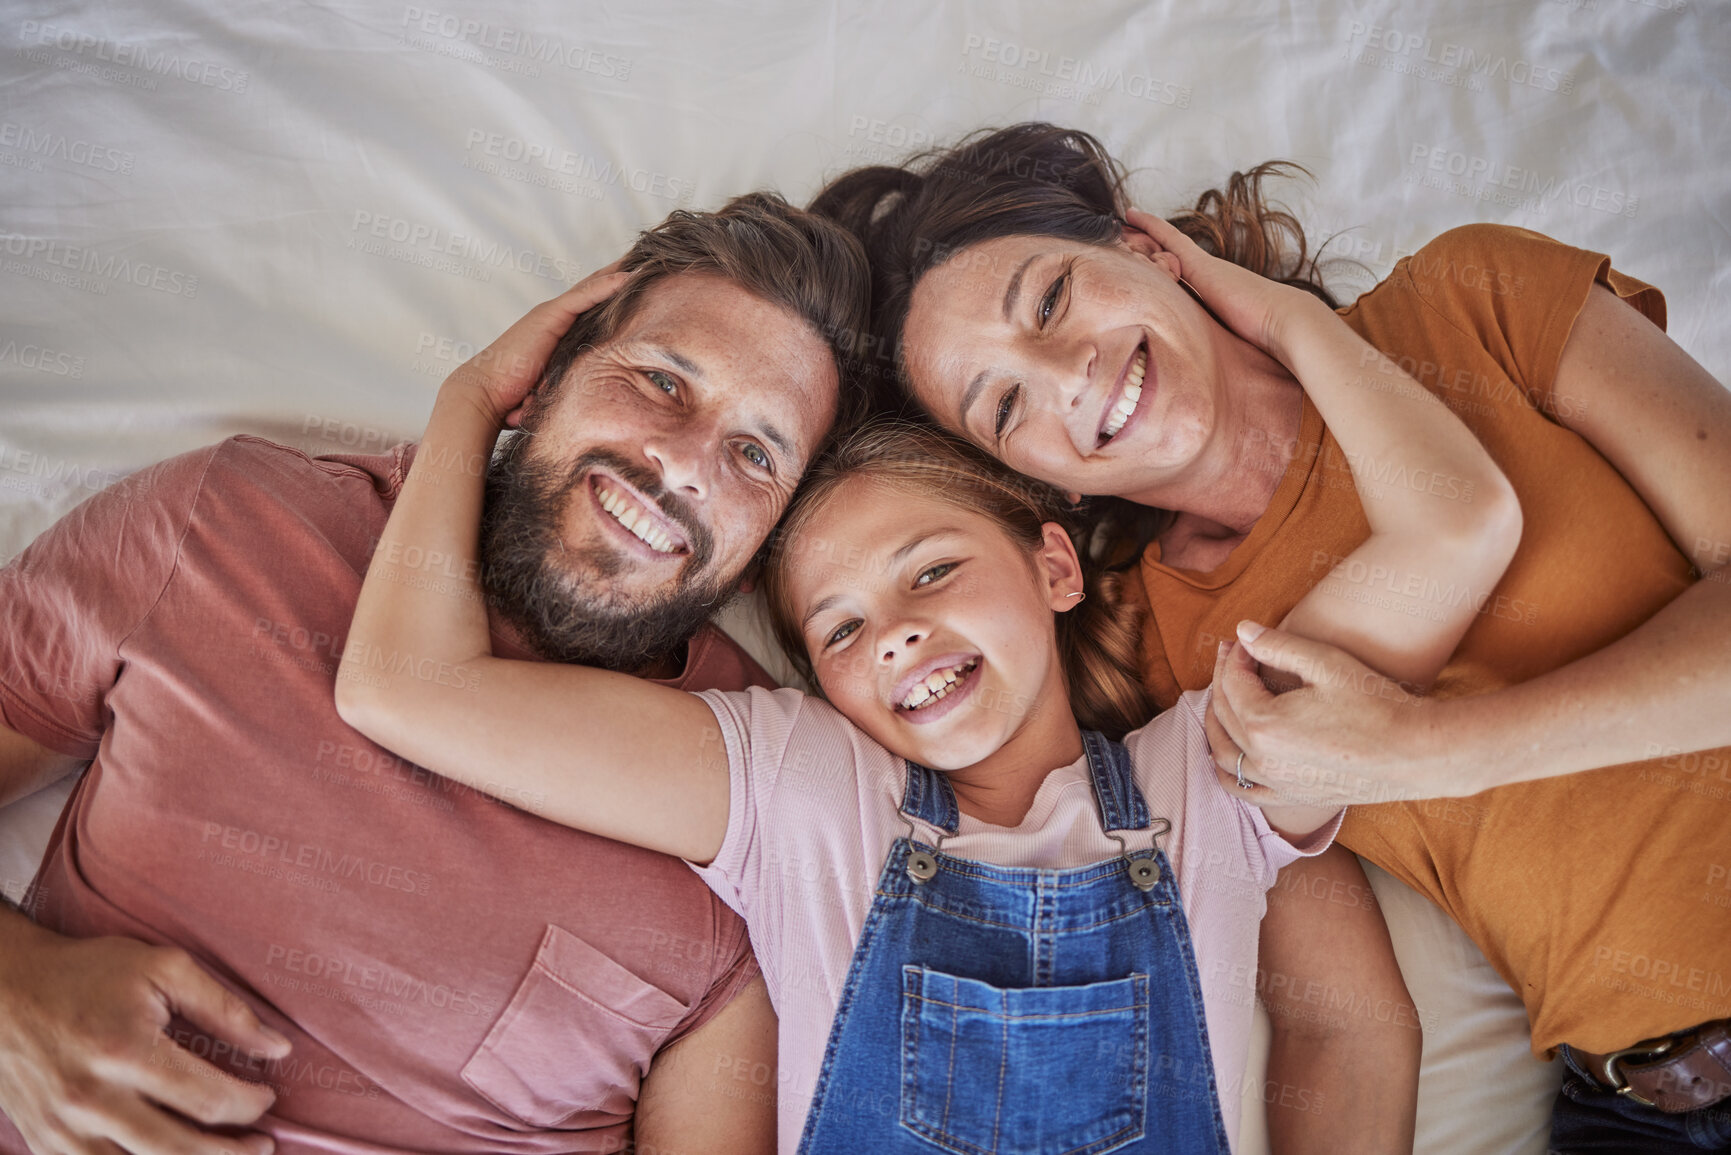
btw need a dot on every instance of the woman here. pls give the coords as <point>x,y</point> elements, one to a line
<point>1012,291</point>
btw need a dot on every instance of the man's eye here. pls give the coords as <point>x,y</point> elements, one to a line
<point>1006,404</point>
<point>662,381</point>
<point>1049,302</point>
<point>754,453</point>
<point>927,577</point>
<point>841,632</point>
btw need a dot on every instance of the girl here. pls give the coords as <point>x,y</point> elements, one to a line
<point>985,923</point>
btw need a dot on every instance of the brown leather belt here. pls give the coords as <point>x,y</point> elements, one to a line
<point>1677,1073</point>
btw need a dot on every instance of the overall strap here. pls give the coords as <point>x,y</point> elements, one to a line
<point>929,798</point>
<point>1122,806</point>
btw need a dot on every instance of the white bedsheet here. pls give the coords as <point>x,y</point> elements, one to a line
<point>295,219</point>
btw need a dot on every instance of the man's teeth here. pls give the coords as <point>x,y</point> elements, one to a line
<point>641,524</point>
<point>1127,403</point>
<point>937,684</point>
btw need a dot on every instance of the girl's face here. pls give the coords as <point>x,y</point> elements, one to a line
<point>928,627</point>
<point>1086,366</point>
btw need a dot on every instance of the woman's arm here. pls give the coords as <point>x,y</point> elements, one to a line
<point>599,751</point>
<point>1665,424</point>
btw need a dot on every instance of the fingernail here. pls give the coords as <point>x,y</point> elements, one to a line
<point>1248,632</point>
<point>1220,652</point>
<point>276,1036</point>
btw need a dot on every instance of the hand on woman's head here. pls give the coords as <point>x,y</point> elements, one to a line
<point>1253,306</point>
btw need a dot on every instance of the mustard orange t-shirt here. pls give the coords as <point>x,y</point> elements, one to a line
<point>1601,897</point>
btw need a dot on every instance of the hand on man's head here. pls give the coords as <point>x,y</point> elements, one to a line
<point>502,376</point>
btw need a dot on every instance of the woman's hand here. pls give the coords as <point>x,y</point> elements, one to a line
<point>1346,735</point>
<point>500,377</point>
<point>1259,310</point>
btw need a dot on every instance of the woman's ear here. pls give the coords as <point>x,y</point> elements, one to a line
<point>1059,567</point>
<point>1144,245</point>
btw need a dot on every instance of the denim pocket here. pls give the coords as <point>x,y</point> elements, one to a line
<point>575,1040</point>
<point>1037,1071</point>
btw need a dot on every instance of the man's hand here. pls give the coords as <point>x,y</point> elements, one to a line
<point>85,1065</point>
<point>501,376</point>
<point>1345,735</point>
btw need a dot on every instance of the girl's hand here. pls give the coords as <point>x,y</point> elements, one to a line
<point>500,377</point>
<point>1258,309</point>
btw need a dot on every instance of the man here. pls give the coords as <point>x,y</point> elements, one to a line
<point>252,927</point>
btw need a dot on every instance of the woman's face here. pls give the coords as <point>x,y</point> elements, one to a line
<point>927,626</point>
<point>1031,347</point>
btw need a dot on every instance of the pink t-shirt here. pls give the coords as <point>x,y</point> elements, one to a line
<point>815,807</point>
<point>456,975</point>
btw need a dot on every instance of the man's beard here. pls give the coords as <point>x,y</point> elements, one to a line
<point>552,593</point>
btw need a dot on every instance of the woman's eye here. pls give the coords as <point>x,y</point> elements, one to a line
<point>841,632</point>
<point>1049,303</point>
<point>927,577</point>
<point>1006,404</point>
<point>754,453</point>
<point>662,382</point>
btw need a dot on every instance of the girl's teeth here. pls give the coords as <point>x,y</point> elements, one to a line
<point>935,686</point>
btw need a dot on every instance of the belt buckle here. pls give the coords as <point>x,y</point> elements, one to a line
<point>1648,1048</point>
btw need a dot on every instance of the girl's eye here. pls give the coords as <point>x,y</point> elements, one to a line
<point>927,577</point>
<point>754,453</point>
<point>841,632</point>
<point>1049,303</point>
<point>662,382</point>
<point>1006,404</point>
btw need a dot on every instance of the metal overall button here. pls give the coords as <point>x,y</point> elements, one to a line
<point>922,865</point>
<point>1143,870</point>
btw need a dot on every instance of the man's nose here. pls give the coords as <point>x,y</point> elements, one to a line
<point>684,460</point>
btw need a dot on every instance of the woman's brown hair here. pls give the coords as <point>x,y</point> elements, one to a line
<point>1096,640</point>
<point>1036,180</point>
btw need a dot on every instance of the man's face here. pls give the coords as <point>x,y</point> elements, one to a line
<point>650,479</point>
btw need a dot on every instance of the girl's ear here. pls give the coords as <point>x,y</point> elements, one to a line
<point>1059,567</point>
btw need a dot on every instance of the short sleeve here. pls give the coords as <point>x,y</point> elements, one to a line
<point>1517,294</point>
<point>70,600</point>
<point>735,967</point>
<point>757,726</point>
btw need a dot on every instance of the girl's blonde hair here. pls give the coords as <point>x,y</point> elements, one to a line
<point>1096,640</point>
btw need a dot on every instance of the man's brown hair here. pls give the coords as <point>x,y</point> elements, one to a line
<point>806,263</point>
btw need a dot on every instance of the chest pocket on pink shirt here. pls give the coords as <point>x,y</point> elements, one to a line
<point>575,1040</point>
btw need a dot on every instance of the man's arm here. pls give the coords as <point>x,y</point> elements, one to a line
<point>1344,1059</point>
<point>714,1091</point>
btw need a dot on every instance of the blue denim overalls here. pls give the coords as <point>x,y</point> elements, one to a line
<point>993,1009</point>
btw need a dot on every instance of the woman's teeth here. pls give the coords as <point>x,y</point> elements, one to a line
<point>1127,403</point>
<point>937,684</point>
<point>641,524</point>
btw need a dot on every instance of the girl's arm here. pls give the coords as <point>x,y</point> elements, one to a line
<point>1444,521</point>
<point>1659,691</point>
<point>600,751</point>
